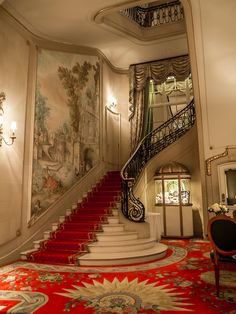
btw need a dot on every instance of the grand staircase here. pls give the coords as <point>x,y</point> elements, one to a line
<point>90,233</point>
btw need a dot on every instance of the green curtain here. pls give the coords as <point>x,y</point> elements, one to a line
<point>148,110</point>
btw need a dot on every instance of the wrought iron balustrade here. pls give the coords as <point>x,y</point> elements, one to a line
<point>151,145</point>
<point>155,15</point>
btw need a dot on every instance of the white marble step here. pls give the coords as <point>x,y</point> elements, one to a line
<point>62,219</point>
<point>55,226</point>
<point>68,211</point>
<point>113,227</point>
<point>23,255</point>
<point>113,220</point>
<point>116,236</point>
<point>115,212</point>
<point>47,234</point>
<point>74,207</point>
<point>158,251</point>
<point>37,243</point>
<point>121,246</point>
<point>118,205</point>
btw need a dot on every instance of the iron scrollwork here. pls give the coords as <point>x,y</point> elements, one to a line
<point>151,145</point>
<point>155,15</point>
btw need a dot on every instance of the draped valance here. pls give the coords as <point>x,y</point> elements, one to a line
<point>158,71</point>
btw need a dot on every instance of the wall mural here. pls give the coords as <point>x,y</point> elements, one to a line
<point>66,128</point>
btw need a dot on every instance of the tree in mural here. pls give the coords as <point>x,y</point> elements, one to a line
<point>75,81</point>
<point>42,111</point>
<point>96,69</point>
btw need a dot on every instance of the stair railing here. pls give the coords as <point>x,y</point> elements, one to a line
<point>153,143</point>
<point>157,15</point>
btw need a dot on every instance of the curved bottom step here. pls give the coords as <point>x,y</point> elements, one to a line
<point>158,251</point>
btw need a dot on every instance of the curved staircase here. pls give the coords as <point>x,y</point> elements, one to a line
<point>116,246</point>
<point>90,234</point>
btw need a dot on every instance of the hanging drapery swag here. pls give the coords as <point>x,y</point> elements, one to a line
<point>158,71</point>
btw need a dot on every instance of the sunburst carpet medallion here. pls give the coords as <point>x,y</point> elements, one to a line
<point>181,282</point>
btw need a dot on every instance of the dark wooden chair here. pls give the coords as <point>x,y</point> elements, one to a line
<point>222,235</point>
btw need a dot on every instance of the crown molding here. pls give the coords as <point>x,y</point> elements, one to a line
<point>46,42</point>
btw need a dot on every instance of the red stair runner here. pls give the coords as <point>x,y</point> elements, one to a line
<point>71,238</point>
<point>83,226</point>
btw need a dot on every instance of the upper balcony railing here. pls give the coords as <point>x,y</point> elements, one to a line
<point>152,144</point>
<point>157,15</point>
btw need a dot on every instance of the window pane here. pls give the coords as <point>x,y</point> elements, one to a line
<point>171,191</point>
<point>158,192</point>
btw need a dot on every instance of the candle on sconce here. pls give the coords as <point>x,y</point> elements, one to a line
<point>13,124</point>
<point>13,127</point>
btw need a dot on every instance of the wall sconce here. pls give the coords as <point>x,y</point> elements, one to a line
<point>13,124</point>
<point>112,103</point>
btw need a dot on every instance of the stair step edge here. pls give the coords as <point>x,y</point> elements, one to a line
<point>107,233</point>
<point>118,255</point>
<point>38,241</point>
<point>122,242</point>
<point>112,225</point>
<point>62,219</point>
<point>24,254</point>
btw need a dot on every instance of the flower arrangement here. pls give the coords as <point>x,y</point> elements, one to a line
<point>218,209</point>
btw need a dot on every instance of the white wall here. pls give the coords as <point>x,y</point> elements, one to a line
<point>211,32</point>
<point>14,55</point>
<point>116,85</point>
<point>214,35</point>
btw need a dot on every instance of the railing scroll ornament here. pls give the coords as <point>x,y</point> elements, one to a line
<point>152,144</point>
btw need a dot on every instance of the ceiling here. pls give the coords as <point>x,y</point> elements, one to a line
<point>73,22</point>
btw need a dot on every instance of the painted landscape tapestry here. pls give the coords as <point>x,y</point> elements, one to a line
<point>66,128</point>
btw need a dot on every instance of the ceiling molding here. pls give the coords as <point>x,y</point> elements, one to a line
<point>111,17</point>
<point>60,27</point>
<point>48,43</point>
<point>130,28</point>
<point>98,17</point>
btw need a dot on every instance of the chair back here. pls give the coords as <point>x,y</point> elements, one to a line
<point>222,234</point>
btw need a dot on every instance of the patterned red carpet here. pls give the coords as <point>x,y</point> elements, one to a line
<point>179,283</point>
